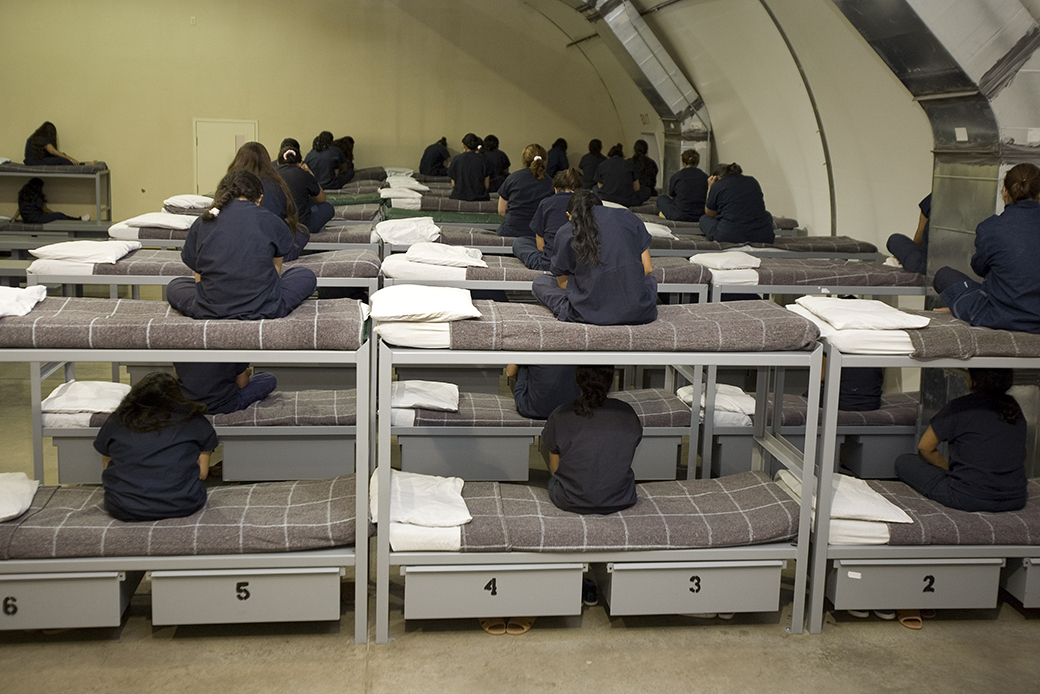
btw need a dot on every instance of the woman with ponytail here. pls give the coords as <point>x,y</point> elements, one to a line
<point>235,250</point>
<point>470,171</point>
<point>521,192</point>
<point>986,432</point>
<point>536,252</point>
<point>600,269</point>
<point>735,211</point>
<point>1007,255</point>
<point>304,190</point>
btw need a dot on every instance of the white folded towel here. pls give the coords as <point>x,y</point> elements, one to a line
<point>406,182</point>
<point>406,231</point>
<point>429,395</point>
<point>746,277</point>
<point>659,231</point>
<point>727,398</point>
<point>442,254</point>
<point>45,266</point>
<point>190,202</point>
<point>427,500</point>
<point>399,194</point>
<point>85,396</point>
<point>860,314</point>
<point>18,302</point>
<point>726,260</point>
<point>854,499</point>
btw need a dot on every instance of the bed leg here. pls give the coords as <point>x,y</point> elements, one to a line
<point>385,365</point>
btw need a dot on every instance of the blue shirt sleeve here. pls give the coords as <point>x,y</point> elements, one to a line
<point>538,221</point>
<point>189,252</point>
<point>549,435</point>
<point>278,232</point>
<point>983,258</point>
<point>507,187</point>
<point>563,260</point>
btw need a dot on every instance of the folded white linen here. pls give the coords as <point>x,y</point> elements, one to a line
<point>162,220</point>
<point>86,251</point>
<point>726,260</point>
<point>743,277</point>
<point>860,314</point>
<point>419,303</point>
<point>608,203</point>
<point>659,231</point>
<point>428,500</point>
<point>398,171</point>
<point>399,193</point>
<point>190,202</point>
<point>442,254</point>
<point>85,396</point>
<point>891,261</point>
<point>397,181</point>
<point>405,537</point>
<point>397,266</point>
<point>406,231</point>
<point>408,203</point>
<point>123,231</point>
<point>16,494</point>
<point>67,420</point>
<point>727,398</point>
<point>418,335</point>
<point>402,417</point>
<point>4,160</point>
<point>18,302</point>
<point>854,499</point>
<point>429,395</point>
<point>849,532</point>
<point>859,341</point>
<point>44,266</point>
<point>728,419</point>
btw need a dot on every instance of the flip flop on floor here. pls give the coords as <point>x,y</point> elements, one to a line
<point>519,625</point>
<point>911,619</point>
<point>496,626</point>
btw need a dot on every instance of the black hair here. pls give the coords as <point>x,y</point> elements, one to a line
<point>617,150</point>
<point>1022,182</point>
<point>490,143</point>
<point>291,142</point>
<point>595,146</point>
<point>235,184</point>
<point>322,142</point>
<point>155,402</point>
<point>254,158</point>
<point>471,141</point>
<point>289,154</point>
<point>443,142</point>
<point>723,170</point>
<point>586,231</point>
<point>640,149</point>
<point>594,382</point>
<point>560,143</point>
<point>993,384</point>
<point>345,145</point>
<point>32,193</point>
<point>44,135</point>
<point>568,179</point>
<point>691,157</point>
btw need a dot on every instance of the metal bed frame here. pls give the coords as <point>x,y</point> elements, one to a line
<point>101,203</point>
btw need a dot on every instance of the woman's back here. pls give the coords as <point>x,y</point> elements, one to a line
<point>616,174</point>
<point>741,210</point>
<point>468,170</point>
<point>325,163</point>
<point>1007,255</point>
<point>523,191</point>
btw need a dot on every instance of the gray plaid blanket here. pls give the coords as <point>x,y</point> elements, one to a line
<point>835,273</point>
<point>357,263</point>
<point>469,236</point>
<point>648,208</point>
<point>487,531</point>
<point>654,407</point>
<point>784,223</point>
<point>351,233</point>
<point>734,326</point>
<point>356,188</point>
<point>176,209</point>
<point>438,203</point>
<point>372,173</point>
<point>670,223</point>
<point>240,519</point>
<point>947,336</point>
<point>742,509</point>
<point>680,271</point>
<point>160,234</point>
<point>363,213</point>
<point>443,190</point>
<point>423,178</point>
<point>502,268</point>
<point>821,244</point>
<point>935,524</point>
<point>61,168</point>
<point>77,323</point>
<point>305,408</point>
<point>897,409</point>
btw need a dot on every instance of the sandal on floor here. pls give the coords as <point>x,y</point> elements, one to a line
<point>911,619</point>
<point>496,626</point>
<point>519,625</point>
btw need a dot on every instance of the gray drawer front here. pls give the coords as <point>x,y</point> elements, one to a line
<point>277,458</point>
<point>511,590</point>
<point>473,458</point>
<point>65,601</point>
<point>687,587</point>
<point>883,584</point>
<point>1021,578</point>
<point>249,595</point>
<point>656,458</point>
<point>78,462</point>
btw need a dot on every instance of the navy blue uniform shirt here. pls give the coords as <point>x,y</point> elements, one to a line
<point>523,192</point>
<point>556,161</point>
<point>303,187</point>
<point>1007,257</point>
<point>617,175</point>
<point>211,384</point>
<point>588,165</point>
<point>541,389</point>
<point>325,163</point>
<point>688,189</point>
<point>548,218</point>
<point>741,210</point>
<point>468,170</point>
<point>433,158</point>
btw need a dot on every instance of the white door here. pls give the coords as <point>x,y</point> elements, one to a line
<point>216,142</point>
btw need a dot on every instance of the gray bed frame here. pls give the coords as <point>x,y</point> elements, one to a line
<point>454,584</point>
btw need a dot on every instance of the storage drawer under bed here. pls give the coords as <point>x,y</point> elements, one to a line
<point>235,596</point>
<point>1021,578</point>
<point>894,584</point>
<point>689,587</point>
<point>530,590</point>
<point>65,600</point>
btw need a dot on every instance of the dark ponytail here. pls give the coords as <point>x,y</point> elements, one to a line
<point>1022,182</point>
<point>594,383</point>
<point>617,150</point>
<point>235,184</point>
<point>471,141</point>
<point>289,155</point>
<point>993,384</point>
<point>723,170</point>
<point>586,231</point>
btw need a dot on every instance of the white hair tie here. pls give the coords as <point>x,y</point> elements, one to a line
<point>288,151</point>
<point>537,157</point>
<point>214,211</point>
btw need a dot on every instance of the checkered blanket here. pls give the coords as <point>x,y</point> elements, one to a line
<point>356,188</point>
<point>177,209</point>
<point>834,273</point>
<point>160,234</point>
<point>469,236</point>
<point>423,178</point>
<point>680,271</point>
<point>734,326</point>
<point>240,519</point>
<point>654,407</point>
<point>502,268</point>
<point>339,199</point>
<point>649,208</point>
<point>351,233</point>
<point>947,336</point>
<point>742,509</point>
<point>372,173</point>
<point>670,223</point>
<point>822,244</point>
<point>437,203</point>
<point>897,409</point>
<point>60,168</point>
<point>935,524</point>
<point>363,213</point>
<point>77,323</point>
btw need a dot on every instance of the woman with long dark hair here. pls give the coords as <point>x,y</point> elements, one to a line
<point>278,200</point>
<point>986,431</point>
<point>646,168</point>
<point>41,149</point>
<point>735,211</point>
<point>435,159</point>
<point>328,163</point>
<point>32,205</point>
<point>687,191</point>
<point>470,172</point>
<point>590,162</point>
<point>155,451</point>
<point>601,268</point>
<point>536,252</point>
<point>304,190</point>
<point>519,196</point>
<point>557,160</point>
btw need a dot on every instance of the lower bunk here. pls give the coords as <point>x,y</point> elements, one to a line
<point>255,553</point>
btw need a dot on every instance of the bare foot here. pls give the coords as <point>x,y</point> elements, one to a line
<point>941,310</point>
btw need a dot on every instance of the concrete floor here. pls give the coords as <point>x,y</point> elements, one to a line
<point>979,651</point>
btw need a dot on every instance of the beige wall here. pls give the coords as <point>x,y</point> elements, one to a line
<point>127,78</point>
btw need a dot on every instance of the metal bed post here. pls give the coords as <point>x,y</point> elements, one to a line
<point>362,463</point>
<point>384,380</point>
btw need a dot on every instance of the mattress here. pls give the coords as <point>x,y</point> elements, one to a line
<point>648,208</point>
<point>820,244</point>
<point>947,336</point>
<point>189,211</point>
<point>371,173</point>
<point>423,178</point>
<point>80,323</point>
<point>239,519</point>
<point>339,198</point>
<point>61,168</point>
<point>891,342</point>
<point>437,203</point>
<point>738,510</point>
<point>355,188</point>
<point>897,409</point>
<point>124,232</point>
<point>352,233</point>
<point>446,217</point>
<point>834,273</point>
<point>469,236</point>
<point>361,213</point>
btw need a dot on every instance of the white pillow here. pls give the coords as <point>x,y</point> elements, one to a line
<point>18,302</point>
<point>854,499</point>
<point>418,335</point>
<point>418,303</point>
<point>428,395</point>
<point>190,202</point>
<point>860,314</point>
<point>123,231</point>
<point>406,231</point>
<point>727,398</point>
<point>442,254</point>
<point>397,266</point>
<point>162,220</point>
<point>87,251</point>
<point>426,500</point>
<point>727,260</point>
<point>85,396</point>
<point>659,231</point>
<point>398,171</point>
<point>405,182</point>
<point>16,494</point>
<point>399,193</point>
<point>608,203</point>
<point>43,266</point>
